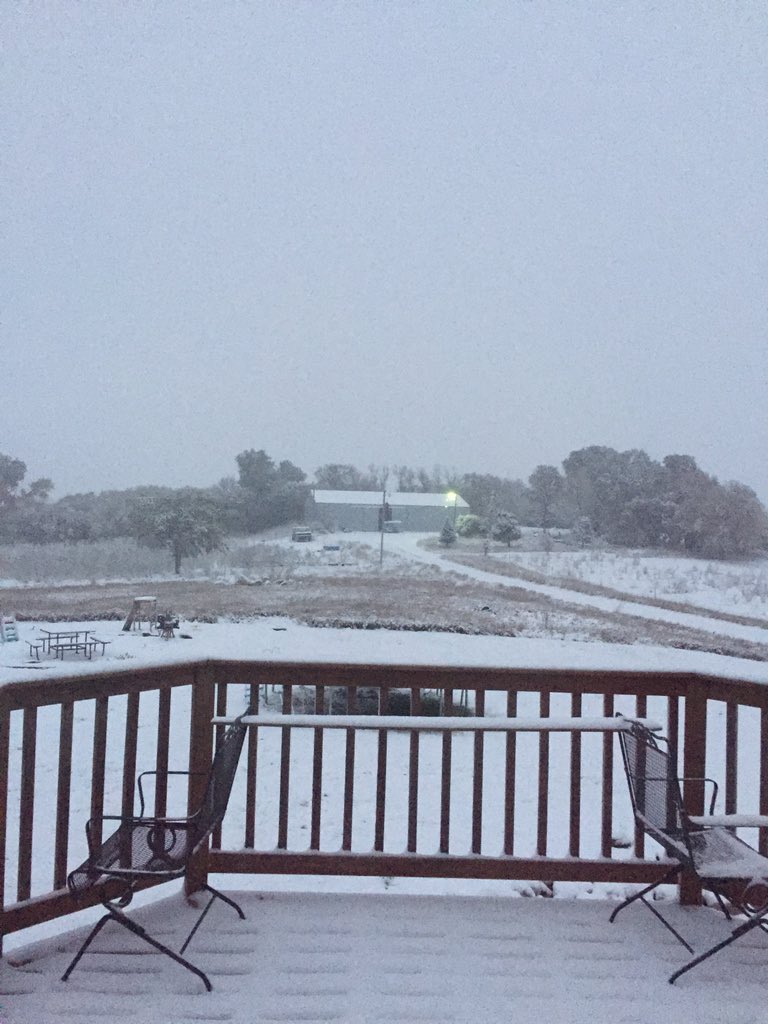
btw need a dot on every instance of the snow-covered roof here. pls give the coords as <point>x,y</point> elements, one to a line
<point>411,498</point>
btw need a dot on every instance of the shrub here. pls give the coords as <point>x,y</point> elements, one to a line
<point>471,526</point>
<point>506,529</point>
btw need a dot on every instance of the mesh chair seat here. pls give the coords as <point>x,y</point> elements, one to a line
<point>717,853</point>
<point>137,847</point>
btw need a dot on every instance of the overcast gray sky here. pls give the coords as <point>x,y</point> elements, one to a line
<point>476,234</point>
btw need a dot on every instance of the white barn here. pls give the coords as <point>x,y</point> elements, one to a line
<point>362,510</point>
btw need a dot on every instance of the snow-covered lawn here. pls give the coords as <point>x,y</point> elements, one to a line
<point>280,639</point>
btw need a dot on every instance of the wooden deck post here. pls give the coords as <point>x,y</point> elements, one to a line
<point>694,769</point>
<point>200,758</point>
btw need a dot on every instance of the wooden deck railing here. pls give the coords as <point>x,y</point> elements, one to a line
<point>311,800</point>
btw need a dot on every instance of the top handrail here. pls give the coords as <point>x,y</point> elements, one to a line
<point>107,680</point>
<point>441,723</point>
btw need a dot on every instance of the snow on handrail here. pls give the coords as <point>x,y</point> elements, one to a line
<point>730,820</point>
<point>417,723</point>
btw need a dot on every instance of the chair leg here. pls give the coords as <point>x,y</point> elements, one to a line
<point>215,894</point>
<point>747,926</point>
<point>644,892</point>
<point>667,925</point>
<point>227,899</point>
<point>91,936</point>
<point>641,896</point>
<point>142,933</point>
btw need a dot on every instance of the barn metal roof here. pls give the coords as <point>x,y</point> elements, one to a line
<point>401,498</point>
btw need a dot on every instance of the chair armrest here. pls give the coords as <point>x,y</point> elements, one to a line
<point>141,788</point>
<point>697,778</point>
<point>731,820</point>
<point>89,826</point>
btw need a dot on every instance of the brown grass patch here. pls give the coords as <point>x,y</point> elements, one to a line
<point>440,602</point>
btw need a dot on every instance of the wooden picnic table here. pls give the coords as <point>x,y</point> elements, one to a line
<point>59,641</point>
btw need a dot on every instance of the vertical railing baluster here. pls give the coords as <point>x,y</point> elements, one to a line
<point>349,773</point>
<point>413,776</point>
<point>509,778</point>
<point>673,732</point>
<point>285,771</point>
<point>218,736</point>
<point>673,728</point>
<point>445,778</point>
<point>641,711</point>
<point>381,774</point>
<point>574,832</point>
<point>731,755</point>
<point>606,830</point>
<point>63,790</point>
<point>252,764</point>
<point>317,773</point>
<point>543,794</point>
<point>477,778</point>
<point>694,770</point>
<point>26,803</point>
<point>129,753</point>
<point>161,751</point>
<point>98,764</point>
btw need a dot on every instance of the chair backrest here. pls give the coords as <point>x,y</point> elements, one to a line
<point>221,779</point>
<point>654,789</point>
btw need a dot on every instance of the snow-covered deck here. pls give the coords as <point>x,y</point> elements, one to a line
<point>357,958</point>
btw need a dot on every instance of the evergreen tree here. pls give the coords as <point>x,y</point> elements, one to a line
<point>582,531</point>
<point>447,534</point>
<point>506,529</point>
<point>273,494</point>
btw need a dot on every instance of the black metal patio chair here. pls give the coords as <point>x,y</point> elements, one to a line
<point>144,848</point>
<point>735,873</point>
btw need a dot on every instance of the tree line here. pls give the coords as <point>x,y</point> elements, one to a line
<point>623,498</point>
<point>630,500</point>
<point>187,520</point>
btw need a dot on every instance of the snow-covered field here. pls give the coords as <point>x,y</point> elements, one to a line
<point>735,587</point>
<point>122,559</point>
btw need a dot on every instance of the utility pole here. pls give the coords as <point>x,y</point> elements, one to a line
<point>453,496</point>
<point>381,517</point>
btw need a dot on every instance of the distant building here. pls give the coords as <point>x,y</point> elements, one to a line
<point>362,510</point>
